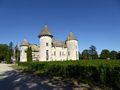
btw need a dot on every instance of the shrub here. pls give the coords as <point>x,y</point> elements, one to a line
<point>102,72</point>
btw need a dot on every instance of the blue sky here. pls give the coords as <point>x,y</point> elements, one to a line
<point>94,22</point>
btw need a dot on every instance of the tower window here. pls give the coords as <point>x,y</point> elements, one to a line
<point>47,55</point>
<point>54,53</point>
<point>46,44</point>
<point>76,54</point>
<point>60,53</point>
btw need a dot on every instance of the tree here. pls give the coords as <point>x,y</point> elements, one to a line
<point>17,54</point>
<point>92,52</point>
<point>3,51</point>
<point>80,56</point>
<point>118,55</point>
<point>8,57</point>
<point>11,48</point>
<point>105,54</point>
<point>29,54</point>
<point>113,55</point>
<point>85,54</point>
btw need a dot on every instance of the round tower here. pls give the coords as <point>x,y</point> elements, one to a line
<point>45,38</point>
<point>72,47</point>
<point>23,48</point>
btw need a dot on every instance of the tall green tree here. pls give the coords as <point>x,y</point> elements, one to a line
<point>17,54</point>
<point>92,52</point>
<point>105,54</point>
<point>118,55</point>
<point>80,56</point>
<point>3,51</point>
<point>85,54</point>
<point>113,55</point>
<point>11,47</point>
<point>8,57</point>
<point>29,54</point>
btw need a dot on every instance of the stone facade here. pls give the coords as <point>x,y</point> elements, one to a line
<point>51,49</point>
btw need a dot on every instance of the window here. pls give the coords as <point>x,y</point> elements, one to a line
<point>60,53</point>
<point>54,53</point>
<point>47,54</point>
<point>68,53</point>
<point>46,44</point>
<point>76,46</point>
<point>76,54</point>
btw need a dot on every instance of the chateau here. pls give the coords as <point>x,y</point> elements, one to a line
<point>51,49</point>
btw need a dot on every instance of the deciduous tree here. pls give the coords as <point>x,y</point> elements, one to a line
<point>105,54</point>
<point>113,55</point>
<point>92,52</point>
<point>85,54</point>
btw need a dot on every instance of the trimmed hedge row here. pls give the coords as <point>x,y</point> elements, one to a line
<point>102,72</point>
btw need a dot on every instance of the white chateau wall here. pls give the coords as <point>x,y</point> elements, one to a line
<point>43,48</point>
<point>59,53</point>
<point>23,54</point>
<point>35,56</point>
<point>72,49</point>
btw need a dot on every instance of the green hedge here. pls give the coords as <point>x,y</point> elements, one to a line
<point>101,72</point>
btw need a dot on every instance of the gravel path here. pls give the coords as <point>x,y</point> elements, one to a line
<point>11,79</point>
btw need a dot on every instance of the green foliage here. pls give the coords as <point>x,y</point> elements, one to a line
<point>11,48</point>
<point>17,54</point>
<point>8,57</point>
<point>29,54</point>
<point>113,55</point>
<point>3,51</point>
<point>93,52</point>
<point>102,72</point>
<point>85,54</point>
<point>89,54</point>
<point>118,55</point>
<point>105,54</point>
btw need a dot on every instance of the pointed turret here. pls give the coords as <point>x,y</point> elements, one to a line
<point>23,47</point>
<point>45,38</point>
<point>45,32</point>
<point>72,47</point>
<point>71,37</point>
<point>24,43</point>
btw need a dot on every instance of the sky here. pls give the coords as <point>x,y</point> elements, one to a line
<point>93,22</point>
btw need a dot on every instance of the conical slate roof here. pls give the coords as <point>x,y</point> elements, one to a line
<point>34,47</point>
<point>45,32</point>
<point>58,43</point>
<point>71,37</point>
<point>24,43</point>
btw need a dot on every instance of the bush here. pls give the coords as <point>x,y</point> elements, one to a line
<point>102,72</point>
